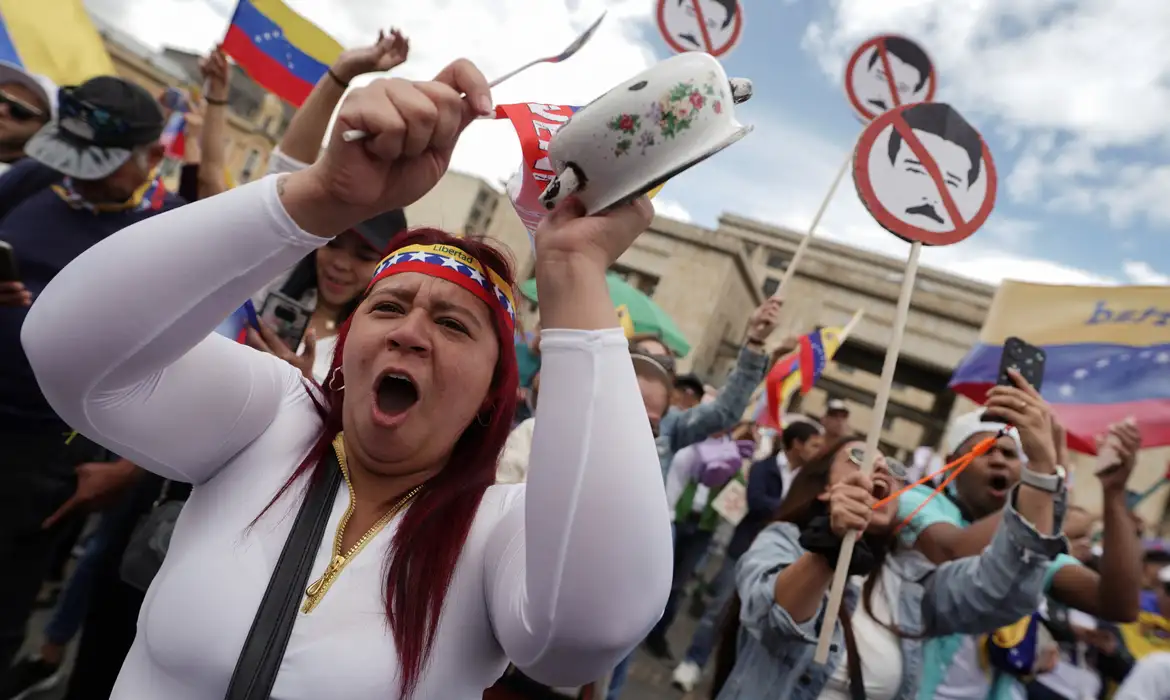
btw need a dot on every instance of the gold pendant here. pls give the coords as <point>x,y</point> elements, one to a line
<point>330,571</point>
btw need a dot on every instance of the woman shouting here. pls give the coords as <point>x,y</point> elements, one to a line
<point>428,579</point>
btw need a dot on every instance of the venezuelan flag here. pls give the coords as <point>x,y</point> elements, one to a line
<point>236,325</point>
<point>281,50</point>
<point>798,370</point>
<point>55,38</point>
<point>1108,355</point>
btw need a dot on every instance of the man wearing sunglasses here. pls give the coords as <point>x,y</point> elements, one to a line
<point>27,102</point>
<point>90,173</point>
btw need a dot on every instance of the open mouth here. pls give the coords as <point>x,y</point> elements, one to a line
<point>999,484</point>
<point>396,394</point>
<point>881,489</point>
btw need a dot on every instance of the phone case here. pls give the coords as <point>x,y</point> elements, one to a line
<point>287,318</point>
<point>1027,359</point>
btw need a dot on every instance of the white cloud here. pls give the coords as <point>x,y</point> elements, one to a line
<point>1140,272</point>
<point>671,209</point>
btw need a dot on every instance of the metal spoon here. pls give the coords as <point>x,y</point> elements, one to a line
<point>358,134</point>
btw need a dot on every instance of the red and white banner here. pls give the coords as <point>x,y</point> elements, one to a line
<point>535,125</point>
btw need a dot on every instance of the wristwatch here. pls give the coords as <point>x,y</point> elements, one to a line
<point>1050,483</point>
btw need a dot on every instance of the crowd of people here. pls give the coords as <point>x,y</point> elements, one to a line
<point>379,509</point>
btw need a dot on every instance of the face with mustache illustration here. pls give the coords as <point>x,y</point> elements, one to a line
<point>915,198</point>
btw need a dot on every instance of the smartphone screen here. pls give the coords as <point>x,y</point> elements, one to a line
<point>287,318</point>
<point>8,269</point>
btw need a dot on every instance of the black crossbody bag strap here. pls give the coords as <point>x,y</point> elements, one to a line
<point>264,648</point>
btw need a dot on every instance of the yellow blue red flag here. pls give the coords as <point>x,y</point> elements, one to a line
<point>281,50</point>
<point>1108,355</point>
<point>55,38</point>
<point>799,370</point>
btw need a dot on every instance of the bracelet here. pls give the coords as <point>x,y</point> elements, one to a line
<point>214,102</point>
<point>343,84</point>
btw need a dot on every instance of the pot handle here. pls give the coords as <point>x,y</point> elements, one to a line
<point>741,90</point>
<point>566,183</point>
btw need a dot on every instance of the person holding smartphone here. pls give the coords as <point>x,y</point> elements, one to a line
<point>323,290</point>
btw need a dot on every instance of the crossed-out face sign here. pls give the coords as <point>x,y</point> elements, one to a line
<point>888,71</point>
<point>925,174</point>
<point>712,26</point>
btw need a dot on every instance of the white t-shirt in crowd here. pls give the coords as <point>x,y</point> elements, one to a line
<point>535,583</point>
<point>879,648</point>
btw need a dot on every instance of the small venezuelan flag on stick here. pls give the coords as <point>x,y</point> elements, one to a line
<point>281,50</point>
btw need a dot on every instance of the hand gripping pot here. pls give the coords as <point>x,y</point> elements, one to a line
<point>644,131</point>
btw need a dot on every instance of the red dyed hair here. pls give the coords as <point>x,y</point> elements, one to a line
<point>430,538</point>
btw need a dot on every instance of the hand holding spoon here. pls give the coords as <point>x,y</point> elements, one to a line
<point>357,134</point>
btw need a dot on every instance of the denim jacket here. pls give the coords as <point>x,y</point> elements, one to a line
<point>973,595</point>
<point>679,429</point>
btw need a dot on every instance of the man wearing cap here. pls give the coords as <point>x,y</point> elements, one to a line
<point>835,421</point>
<point>961,520</point>
<point>90,173</point>
<point>27,102</point>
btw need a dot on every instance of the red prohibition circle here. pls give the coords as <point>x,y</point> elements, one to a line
<point>879,41</point>
<point>737,29</point>
<point>901,229</point>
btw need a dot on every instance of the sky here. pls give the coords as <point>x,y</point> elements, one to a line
<point>1071,96</point>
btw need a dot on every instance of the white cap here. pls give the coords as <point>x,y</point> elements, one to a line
<point>968,424</point>
<point>1164,575</point>
<point>46,89</point>
<point>836,405</point>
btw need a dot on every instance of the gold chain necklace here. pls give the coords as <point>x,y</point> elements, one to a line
<point>317,589</point>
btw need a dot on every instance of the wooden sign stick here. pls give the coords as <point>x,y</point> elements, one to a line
<point>833,608</point>
<point>812,228</point>
<point>857,316</point>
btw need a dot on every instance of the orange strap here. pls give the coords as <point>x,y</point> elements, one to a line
<point>956,467</point>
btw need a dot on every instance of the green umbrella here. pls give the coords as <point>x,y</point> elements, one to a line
<point>647,316</point>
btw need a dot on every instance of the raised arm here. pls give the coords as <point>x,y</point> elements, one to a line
<point>979,594</point>
<point>580,573</point>
<point>120,339</point>
<point>700,422</point>
<point>302,140</point>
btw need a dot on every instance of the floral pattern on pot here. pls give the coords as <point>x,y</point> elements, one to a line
<point>667,117</point>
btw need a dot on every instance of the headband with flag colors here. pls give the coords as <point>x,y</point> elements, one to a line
<point>456,266</point>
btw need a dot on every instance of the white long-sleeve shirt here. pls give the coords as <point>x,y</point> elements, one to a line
<point>562,576</point>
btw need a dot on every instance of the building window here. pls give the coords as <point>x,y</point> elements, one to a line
<point>844,369</point>
<point>898,386</point>
<point>483,209</point>
<point>777,259</point>
<point>251,162</point>
<point>770,286</point>
<point>638,280</point>
<point>888,422</point>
